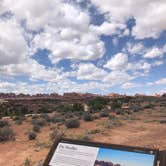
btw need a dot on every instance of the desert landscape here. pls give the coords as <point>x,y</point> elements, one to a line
<point>29,124</point>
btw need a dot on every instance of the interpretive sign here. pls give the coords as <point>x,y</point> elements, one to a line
<point>67,152</point>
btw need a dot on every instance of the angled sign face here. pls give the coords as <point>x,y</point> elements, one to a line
<point>67,152</point>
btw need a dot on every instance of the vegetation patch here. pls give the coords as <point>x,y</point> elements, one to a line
<point>72,123</point>
<point>88,117</point>
<point>6,134</point>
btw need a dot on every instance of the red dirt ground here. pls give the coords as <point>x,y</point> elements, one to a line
<point>141,129</point>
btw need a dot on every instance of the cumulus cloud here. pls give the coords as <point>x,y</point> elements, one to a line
<point>134,49</point>
<point>117,78</point>
<point>161,81</point>
<point>59,87</point>
<point>69,44</point>
<point>130,85</point>
<point>117,62</point>
<point>66,31</point>
<point>153,53</point>
<point>13,46</point>
<point>90,72</point>
<point>150,22</point>
<point>108,28</point>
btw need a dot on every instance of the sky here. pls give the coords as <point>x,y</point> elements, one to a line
<point>125,158</point>
<point>85,46</point>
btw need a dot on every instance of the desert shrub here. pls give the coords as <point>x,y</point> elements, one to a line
<point>72,123</point>
<point>104,114</point>
<point>96,116</point>
<point>85,137</point>
<point>58,120</point>
<point>77,107</point>
<point>163,121</point>
<point>112,123</point>
<point>119,111</point>
<point>88,117</point>
<point>116,105</point>
<point>69,115</point>
<point>6,134</point>
<point>3,123</point>
<point>32,135</point>
<point>112,117</point>
<point>53,134</point>
<point>35,116</point>
<point>43,110</point>
<point>19,121</point>
<point>36,128</point>
<point>27,162</point>
<point>40,122</point>
<point>98,103</point>
<point>148,106</point>
<point>136,108</point>
<point>95,131</point>
<point>46,117</point>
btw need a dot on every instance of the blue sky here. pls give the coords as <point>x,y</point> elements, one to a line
<point>94,46</point>
<point>125,158</point>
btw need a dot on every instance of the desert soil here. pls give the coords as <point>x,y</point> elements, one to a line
<point>140,129</point>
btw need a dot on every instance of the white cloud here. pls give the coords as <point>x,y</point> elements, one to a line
<point>90,72</point>
<point>75,45</point>
<point>137,48</point>
<point>67,36</point>
<point>149,15</point>
<point>117,62</point>
<point>108,28</point>
<point>153,53</point>
<point>130,85</point>
<point>33,70</point>
<point>157,63</point>
<point>39,13</point>
<point>137,66</point>
<point>117,78</point>
<point>59,87</point>
<point>13,46</point>
<point>161,81</point>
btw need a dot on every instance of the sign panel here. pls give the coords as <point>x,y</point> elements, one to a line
<point>66,152</point>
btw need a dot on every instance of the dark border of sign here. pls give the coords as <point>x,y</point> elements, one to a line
<point>99,144</point>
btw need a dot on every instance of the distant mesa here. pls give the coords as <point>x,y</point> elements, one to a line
<point>105,163</point>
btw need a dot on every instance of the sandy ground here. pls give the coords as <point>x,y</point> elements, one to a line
<point>141,129</point>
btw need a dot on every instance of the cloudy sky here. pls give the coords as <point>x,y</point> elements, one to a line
<point>83,46</point>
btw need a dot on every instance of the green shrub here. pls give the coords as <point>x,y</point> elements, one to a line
<point>95,131</point>
<point>40,122</point>
<point>119,111</point>
<point>6,134</point>
<point>46,117</point>
<point>96,116</point>
<point>85,137</point>
<point>98,103</point>
<point>72,123</point>
<point>112,117</point>
<point>3,123</point>
<point>27,162</point>
<point>88,117</point>
<point>116,105</point>
<point>136,108</point>
<point>104,114</point>
<point>36,128</point>
<point>54,134</point>
<point>162,121</point>
<point>18,122</point>
<point>58,119</point>
<point>32,135</point>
